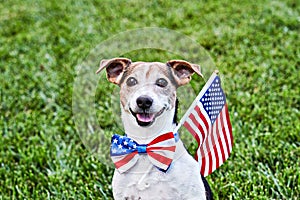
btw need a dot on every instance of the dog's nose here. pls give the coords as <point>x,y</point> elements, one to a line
<point>144,102</point>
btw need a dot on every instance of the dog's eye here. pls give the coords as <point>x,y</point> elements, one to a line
<point>131,81</point>
<point>161,82</point>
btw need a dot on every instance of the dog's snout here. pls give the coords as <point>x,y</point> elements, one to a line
<point>144,102</point>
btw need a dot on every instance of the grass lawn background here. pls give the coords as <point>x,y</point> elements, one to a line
<point>255,46</point>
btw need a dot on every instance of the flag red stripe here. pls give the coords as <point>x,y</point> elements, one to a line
<point>229,124</point>
<point>222,157</point>
<point>196,156</point>
<point>160,158</point>
<point>216,155</point>
<point>191,130</point>
<point>210,161</point>
<point>202,117</point>
<point>206,157</point>
<point>198,125</point>
<point>125,160</point>
<point>210,149</point>
<point>219,134</point>
<point>203,163</point>
<point>215,152</point>
<point>224,132</point>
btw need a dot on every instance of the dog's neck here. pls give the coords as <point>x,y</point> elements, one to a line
<point>143,135</point>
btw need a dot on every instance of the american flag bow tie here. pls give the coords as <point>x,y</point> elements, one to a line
<point>125,152</point>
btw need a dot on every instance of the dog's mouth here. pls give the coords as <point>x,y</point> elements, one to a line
<point>144,117</point>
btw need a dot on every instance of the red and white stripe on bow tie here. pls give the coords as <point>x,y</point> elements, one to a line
<point>125,152</point>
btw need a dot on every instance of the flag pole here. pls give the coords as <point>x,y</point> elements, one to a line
<point>201,93</point>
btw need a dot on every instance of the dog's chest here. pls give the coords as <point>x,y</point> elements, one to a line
<point>180,182</point>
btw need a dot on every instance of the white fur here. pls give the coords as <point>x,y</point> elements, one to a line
<point>144,181</point>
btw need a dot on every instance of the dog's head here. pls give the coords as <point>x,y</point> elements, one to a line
<point>148,89</point>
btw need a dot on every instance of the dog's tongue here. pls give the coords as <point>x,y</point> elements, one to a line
<point>145,117</point>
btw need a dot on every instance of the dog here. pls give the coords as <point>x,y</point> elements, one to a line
<point>148,110</point>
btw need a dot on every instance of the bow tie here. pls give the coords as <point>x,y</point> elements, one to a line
<point>125,152</point>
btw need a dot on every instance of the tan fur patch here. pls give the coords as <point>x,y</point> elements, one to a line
<point>146,75</point>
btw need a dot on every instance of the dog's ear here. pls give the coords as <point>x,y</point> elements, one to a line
<point>183,71</point>
<point>114,68</point>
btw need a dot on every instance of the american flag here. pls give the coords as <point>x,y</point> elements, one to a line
<point>208,121</point>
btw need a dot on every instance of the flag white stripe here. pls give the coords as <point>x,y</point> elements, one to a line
<point>215,144</point>
<point>219,141</point>
<point>221,137</point>
<point>200,121</point>
<point>215,151</point>
<point>193,126</point>
<point>210,152</point>
<point>224,135</point>
<point>198,152</point>
<point>204,147</point>
<point>228,134</point>
<point>206,118</point>
<point>209,146</point>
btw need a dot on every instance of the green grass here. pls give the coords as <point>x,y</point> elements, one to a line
<point>254,45</point>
